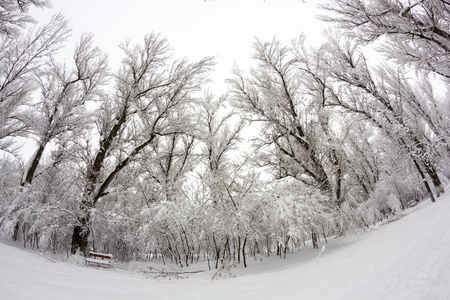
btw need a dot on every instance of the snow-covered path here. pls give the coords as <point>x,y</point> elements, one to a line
<point>406,259</point>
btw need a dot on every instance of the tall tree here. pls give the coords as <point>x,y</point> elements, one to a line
<point>384,98</point>
<point>285,93</point>
<point>22,55</point>
<point>150,95</point>
<point>168,161</point>
<point>217,131</point>
<point>63,95</point>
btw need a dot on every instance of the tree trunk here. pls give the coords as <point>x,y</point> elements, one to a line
<point>422,175</point>
<point>435,179</point>
<point>25,229</point>
<point>314,239</point>
<point>324,235</point>
<point>339,197</point>
<point>286,245</point>
<point>16,231</point>
<point>225,249</point>
<point>257,250</point>
<point>243,253</point>
<point>217,250</point>
<point>28,177</point>
<point>239,249</point>
<point>80,236</point>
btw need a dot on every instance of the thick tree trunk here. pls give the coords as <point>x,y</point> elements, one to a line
<point>29,175</point>
<point>422,175</point>
<point>81,231</point>
<point>435,179</point>
<point>80,236</point>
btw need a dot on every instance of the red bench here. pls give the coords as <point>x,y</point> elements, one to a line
<point>99,259</point>
<point>412,203</point>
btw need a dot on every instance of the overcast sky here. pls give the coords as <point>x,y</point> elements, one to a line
<point>194,28</point>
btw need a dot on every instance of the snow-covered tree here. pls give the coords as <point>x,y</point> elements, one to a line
<point>285,94</point>
<point>384,97</point>
<point>151,93</point>
<point>40,213</point>
<point>417,31</point>
<point>217,131</point>
<point>22,55</point>
<point>14,15</point>
<point>61,110</point>
<point>170,159</point>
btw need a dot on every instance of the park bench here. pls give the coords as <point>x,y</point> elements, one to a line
<point>412,203</point>
<point>99,259</point>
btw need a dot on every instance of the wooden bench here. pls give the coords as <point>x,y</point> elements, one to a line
<point>412,203</point>
<point>99,259</point>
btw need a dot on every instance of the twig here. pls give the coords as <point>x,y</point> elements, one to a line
<point>216,273</point>
<point>175,272</point>
<point>49,259</point>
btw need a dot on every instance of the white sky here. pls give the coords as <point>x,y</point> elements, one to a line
<point>194,28</point>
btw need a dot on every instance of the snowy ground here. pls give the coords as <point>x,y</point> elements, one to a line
<point>406,259</point>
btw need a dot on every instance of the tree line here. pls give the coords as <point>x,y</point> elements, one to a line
<point>148,163</point>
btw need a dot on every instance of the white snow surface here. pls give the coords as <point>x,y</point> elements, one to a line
<point>404,259</point>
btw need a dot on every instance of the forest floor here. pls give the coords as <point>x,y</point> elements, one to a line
<point>405,259</point>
